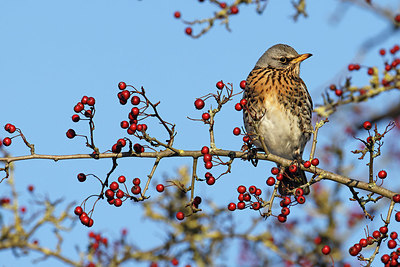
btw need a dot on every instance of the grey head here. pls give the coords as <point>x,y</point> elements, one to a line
<point>282,56</point>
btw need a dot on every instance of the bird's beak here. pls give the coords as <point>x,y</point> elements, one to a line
<point>301,58</point>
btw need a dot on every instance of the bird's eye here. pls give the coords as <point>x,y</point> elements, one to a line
<point>283,60</point>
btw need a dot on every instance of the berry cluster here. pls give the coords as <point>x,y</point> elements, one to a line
<point>11,129</point>
<point>245,198</point>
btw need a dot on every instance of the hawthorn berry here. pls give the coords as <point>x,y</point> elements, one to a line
<point>81,177</point>
<point>338,92</point>
<point>78,210</point>
<point>382,174</point>
<point>270,181</point>
<point>125,95</point>
<point>275,170</point>
<point>383,229</point>
<point>122,86</point>
<point>180,215</point>
<point>220,85</point>
<point>370,71</point>
<point>236,131</point>
<point>393,235</point>
<point>307,164</point>
<point>197,200</point>
<point>256,205</point>
<point>231,206</point>
<point>85,220</point>
<point>363,242</point>
<point>116,148</point>
<point>139,127</point>
<point>315,162</point>
<point>78,107</point>
<point>109,194</point>
<point>124,124</point>
<point>222,5</point>
<point>205,116</point>
<point>75,118</point>
<point>70,134</point>
<point>353,251</point>
<point>367,125</point>
<point>210,180</point>
<point>385,258</point>
<point>396,198</point>
<point>205,150</point>
<point>31,188</point>
<point>135,100</point>
<point>397,18</point>
<point>258,192</point>
<point>241,197</point>
<point>207,158</point>
<point>241,189</point>
<point>293,168</point>
<point>135,111</point>
<point>118,202</point>
<point>299,192</point>
<point>243,102</point>
<point>392,244</point>
<point>136,181</point>
<point>332,87</point>
<point>121,142</point>
<point>234,9</point>
<point>326,250</point>
<point>376,234</point>
<point>138,148</point>
<point>238,107</point>
<point>160,188</point>
<point>286,201</point>
<point>397,216</point>
<point>317,240</point>
<point>301,199</point>
<point>7,141</point>
<point>174,261</point>
<point>119,194</point>
<point>252,189</point>
<point>199,103</point>
<point>279,177</point>
<point>246,138</point>
<point>208,165</point>
<point>114,186</point>
<point>243,84</point>
<point>177,14</point>
<point>282,218</point>
<point>91,101</point>
<point>188,30</point>
<point>136,189</point>
<point>285,211</point>
<point>351,67</point>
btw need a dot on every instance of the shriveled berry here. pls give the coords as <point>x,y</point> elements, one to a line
<point>396,198</point>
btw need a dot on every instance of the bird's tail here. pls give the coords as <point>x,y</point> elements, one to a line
<point>292,180</point>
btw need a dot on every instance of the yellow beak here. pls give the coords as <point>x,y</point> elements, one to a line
<point>301,58</point>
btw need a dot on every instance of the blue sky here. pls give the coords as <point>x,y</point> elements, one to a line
<point>53,53</point>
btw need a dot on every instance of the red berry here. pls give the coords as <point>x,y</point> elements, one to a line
<point>397,216</point>
<point>270,181</point>
<point>119,194</point>
<point>243,84</point>
<point>397,18</point>
<point>258,192</point>
<point>7,141</point>
<point>78,107</point>
<point>75,118</point>
<point>234,9</point>
<point>199,103</point>
<point>125,95</point>
<point>363,242</point>
<point>243,102</point>
<point>326,250</point>
<point>117,201</point>
<point>220,85</point>
<point>160,188</point>
<point>353,251</point>
<point>31,188</point>
<point>356,67</point>
<point>307,164</point>
<point>315,162</point>
<point>135,100</point>
<point>121,142</point>
<point>205,150</point>
<point>122,86</point>
<point>351,67</point>
<point>136,181</point>
<point>376,234</point>
<point>236,131</point>
<point>207,158</point>
<point>317,240</point>
<point>392,244</point>
<point>91,101</point>
<point>180,216</point>
<point>222,5</point>
<point>231,206</point>
<point>174,261</point>
<point>285,211</point>
<point>252,189</point>
<point>81,177</point>
<point>293,168</point>
<point>393,235</point>
<point>210,180</point>
<point>286,201</point>
<point>382,174</point>
<point>299,192</point>
<point>177,14</point>
<point>84,99</point>
<point>241,189</point>
<point>205,116</point>
<point>396,198</point>
<point>116,148</point>
<point>138,148</point>
<point>370,71</point>
<point>70,134</point>
<point>279,177</point>
<point>275,170</point>
<point>385,258</point>
<point>246,138</point>
<point>136,189</point>
<point>241,205</point>
<point>124,124</point>
<point>241,197</point>
<point>282,218</point>
<point>332,87</point>
<point>135,111</point>
<point>256,205</point>
<point>382,52</point>
<point>383,229</point>
<point>78,210</point>
<point>114,186</point>
<point>188,31</point>
<point>208,165</point>
<point>338,92</point>
<point>301,199</point>
<point>109,194</point>
<point>367,125</point>
<point>238,107</point>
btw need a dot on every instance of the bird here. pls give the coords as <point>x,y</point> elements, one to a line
<point>279,109</point>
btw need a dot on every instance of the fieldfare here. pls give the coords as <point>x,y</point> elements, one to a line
<point>279,109</point>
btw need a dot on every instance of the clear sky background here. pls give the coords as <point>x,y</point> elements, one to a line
<point>54,52</point>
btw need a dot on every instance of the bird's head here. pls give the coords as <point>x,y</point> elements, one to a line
<point>282,56</point>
